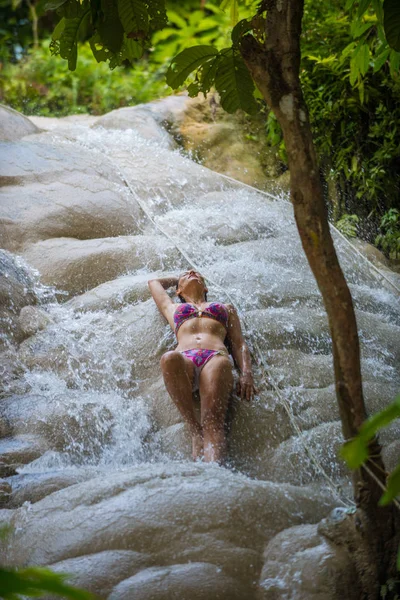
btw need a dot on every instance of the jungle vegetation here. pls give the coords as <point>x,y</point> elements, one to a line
<point>339,87</point>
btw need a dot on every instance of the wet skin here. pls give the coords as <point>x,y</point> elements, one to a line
<point>216,379</point>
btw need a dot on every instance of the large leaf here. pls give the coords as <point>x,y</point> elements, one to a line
<point>393,487</point>
<point>33,581</point>
<point>134,16</point>
<point>355,451</point>
<point>157,14</point>
<point>186,62</point>
<point>362,7</point>
<point>234,83</point>
<point>391,23</point>
<point>54,4</point>
<point>69,38</point>
<point>110,28</point>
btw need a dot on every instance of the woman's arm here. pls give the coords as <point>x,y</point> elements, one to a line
<point>241,354</point>
<point>163,301</point>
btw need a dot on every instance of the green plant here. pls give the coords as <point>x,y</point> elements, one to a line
<point>16,584</point>
<point>42,84</point>
<point>389,239</point>
<point>348,225</point>
<point>356,451</point>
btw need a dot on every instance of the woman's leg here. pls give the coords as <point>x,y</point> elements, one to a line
<point>216,382</point>
<point>178,373</point>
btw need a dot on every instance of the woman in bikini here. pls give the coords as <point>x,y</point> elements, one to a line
<point>201,360</point>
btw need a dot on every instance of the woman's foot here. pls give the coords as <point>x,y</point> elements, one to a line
<point>197,446</point>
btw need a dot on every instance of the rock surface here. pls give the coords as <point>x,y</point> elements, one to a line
<point>13,125</point>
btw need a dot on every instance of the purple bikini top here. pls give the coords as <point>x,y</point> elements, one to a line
<point>215,310</point>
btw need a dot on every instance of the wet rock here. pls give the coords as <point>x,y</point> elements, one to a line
<point>18,451</point>
<point>13,125</point>
<point>78,265</point>
<point>16,291</point>
<point>116,294</point>
<point>32,487</point>
<point>193,513</point>
<point>32,319</point>
<point>300,564</point>
<point>141,120</point>
<point>223,142</point>
<point>193,581</point>
<point>5,492</point>
<point>61,192</point>
<point>101,571</point>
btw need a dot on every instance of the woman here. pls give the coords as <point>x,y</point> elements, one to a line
<point>201,360</point>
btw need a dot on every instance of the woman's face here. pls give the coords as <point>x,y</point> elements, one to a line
<point>190,280</point>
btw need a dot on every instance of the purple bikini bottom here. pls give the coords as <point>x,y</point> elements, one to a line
<point>199,357</point>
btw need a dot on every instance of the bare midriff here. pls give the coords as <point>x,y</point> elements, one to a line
<point>201,332</point>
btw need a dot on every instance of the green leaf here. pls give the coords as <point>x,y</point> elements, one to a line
<point>234,83</point>
<point>393,487</point>
<point>34,580</point>
<point>54,4</point>
<point>362,7</point>
<point>391,23</point>
<point>186,62</point>
<point>363,58</point>
<point>157,14</point>
<point>58,29</point>
<point>349,5</point>
<point>134,16</point>
<point>131,49</point>
<point>381,419</point>
<point>378,8</point>
<point>207,73</point>
<point>69,37</point>
<point>354,452</point>
<point>110,28</point>
<point>394,62</point>
<point>357,29</point>
<point>398,560</point>
<point>381,59</point>
<point>193,89</point>
<point>239,30</point>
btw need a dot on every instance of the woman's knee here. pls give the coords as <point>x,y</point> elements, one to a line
<point>171,359</point>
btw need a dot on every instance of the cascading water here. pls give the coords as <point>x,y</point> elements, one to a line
<point>88,401</point>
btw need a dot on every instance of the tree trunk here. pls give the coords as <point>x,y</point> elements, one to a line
<point>274,66</point>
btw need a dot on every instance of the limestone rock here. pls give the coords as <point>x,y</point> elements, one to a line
<point>13,125</point>
<point>65,193</point>
<point>190,513</point>
<point>99,572</point>
<point>16,291</point>
<point>5,492</point>
<point>192,581</point>
<point>18,451</point>
<point>78,265</point>
<point>32,319</point>
<point>299,564</point>
<point>138,118</point>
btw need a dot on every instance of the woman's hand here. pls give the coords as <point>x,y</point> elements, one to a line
<point>245,386</point>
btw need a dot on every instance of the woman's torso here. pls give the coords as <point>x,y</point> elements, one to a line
<point>201,328</point>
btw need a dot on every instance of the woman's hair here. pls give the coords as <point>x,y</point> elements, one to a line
<point>182,299</point>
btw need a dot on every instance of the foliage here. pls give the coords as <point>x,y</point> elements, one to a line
<point>389,239</point>
<point>356,451</point>
<point>348,225</point>
<point>34,581</point>
<point>352,89</point>
<point>42,84</point>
